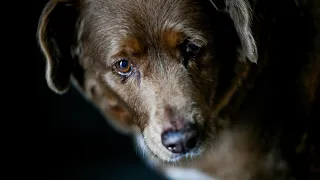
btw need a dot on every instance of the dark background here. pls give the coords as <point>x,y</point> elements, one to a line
<point>78,142</point>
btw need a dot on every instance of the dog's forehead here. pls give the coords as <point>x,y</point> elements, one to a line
<point>147,17</point>
<point>152,23</point>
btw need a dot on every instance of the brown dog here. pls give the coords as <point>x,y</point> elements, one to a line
<point>183,77</point>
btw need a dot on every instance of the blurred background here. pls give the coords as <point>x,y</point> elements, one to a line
<point>83,146</point>
<point>80,143</point>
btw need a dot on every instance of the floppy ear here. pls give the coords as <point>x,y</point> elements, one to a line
<point>59,30</point>
<point>239,12</point>
<point>55,34</point>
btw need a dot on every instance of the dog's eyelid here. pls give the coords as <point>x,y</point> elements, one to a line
<point>115,59</point>
<point>198,42</point>
<point>195,41</point>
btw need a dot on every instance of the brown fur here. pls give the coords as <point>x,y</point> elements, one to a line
<point>131,46</point>
<point>229,90</point>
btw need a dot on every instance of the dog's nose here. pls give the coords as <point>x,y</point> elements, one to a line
<point>181,140</point>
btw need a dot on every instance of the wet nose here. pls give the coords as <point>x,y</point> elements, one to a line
<point>180,140</point>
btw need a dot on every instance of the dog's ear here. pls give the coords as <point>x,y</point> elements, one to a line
<point>55,34</point>
<point>59,29</point>
<point>239,11</point>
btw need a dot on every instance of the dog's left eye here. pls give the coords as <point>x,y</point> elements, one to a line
<point>192,49</point>
<point>189,50</point>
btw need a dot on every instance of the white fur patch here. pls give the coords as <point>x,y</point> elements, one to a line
<point>143,151</point>
<point>186,174</point>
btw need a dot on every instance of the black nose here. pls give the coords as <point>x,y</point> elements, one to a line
<point>182,140</point>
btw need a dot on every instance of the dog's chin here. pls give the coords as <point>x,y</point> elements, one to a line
<point>175,158</point>
<point>163,155</point>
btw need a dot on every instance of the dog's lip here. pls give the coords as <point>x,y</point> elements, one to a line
<point>193,153</point>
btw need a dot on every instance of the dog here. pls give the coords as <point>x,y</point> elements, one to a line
<point>205,87</point>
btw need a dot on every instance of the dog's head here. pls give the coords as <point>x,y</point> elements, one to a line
<point>152,67</point>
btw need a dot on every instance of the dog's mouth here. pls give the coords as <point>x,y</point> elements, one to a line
<point>196,151</point>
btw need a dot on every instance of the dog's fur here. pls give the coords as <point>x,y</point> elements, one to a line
<point>239,89</point>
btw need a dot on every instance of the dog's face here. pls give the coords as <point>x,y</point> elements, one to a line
<point>152,67</point>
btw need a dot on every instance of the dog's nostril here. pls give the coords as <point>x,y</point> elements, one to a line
<point>192,142</point>
<point>180,141</point>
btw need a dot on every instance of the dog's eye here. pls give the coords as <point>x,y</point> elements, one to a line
<point>123,66</point>
<point>192,49</point>
<point>189,50</point>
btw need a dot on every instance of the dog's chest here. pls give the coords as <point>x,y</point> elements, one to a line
<point>175,173</point>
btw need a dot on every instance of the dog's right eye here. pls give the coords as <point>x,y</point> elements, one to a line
<point>124,67</point>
